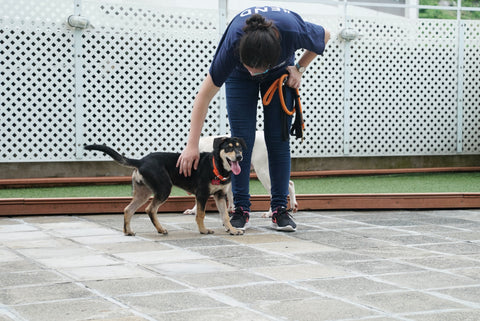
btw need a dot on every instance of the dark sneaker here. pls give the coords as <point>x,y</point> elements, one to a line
<point>282,220</point>
<point>240,219</point>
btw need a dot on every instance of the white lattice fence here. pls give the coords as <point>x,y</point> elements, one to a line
<point>471,87</point>
<point>407,87</point>
<point>37,114</point>
<point>403,82</point>
<point>142,70</point>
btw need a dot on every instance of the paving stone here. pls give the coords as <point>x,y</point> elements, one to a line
<point>334,257</point>
<point>229,251</point>
<point>257,261</point>
<point>473,273</point>
<point>216,314</point>
<point>141,245</point>
<point>265,292</point>
<point>443,262</point>
<point>395,252</point>
<point>427,280</point>
<point>65,252</point>
<point>341,240</point>
<point>13,227</point>
<point>50,292</point>
<point>221,279</point>
<point>68,226</point>
<point>153,257</point>
<point>45,219</point>
<point>30,278</point>
<point>378,267</point>
<point>293,246</point>
<point>260,238</point>
<point>460,248</point>
<point>106,272</point>
<point>408,302</point>
<point>466,315</point>
<point>7,255</point>
<point>200,241</point>
<point>18,266</point>
<point>78,261</point>
<point>349,287</point>
<point>413,239</point>
<point>105,239</point>
<point>14,237</point>
<point>316,309</point>
<point>7,315</point>
<point>469,294</point>
<point>72,310</point>
<point>159,303</point>
<point>118,287</point>
<point>301,272</point>
<point>42,243</point>
<point>191,267</point>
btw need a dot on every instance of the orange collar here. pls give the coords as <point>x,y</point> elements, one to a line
<point>215,171</point>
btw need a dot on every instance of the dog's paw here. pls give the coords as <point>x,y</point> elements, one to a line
<point>295,208</point>
<point>164,232</point>
<point>235,231</point>
<point>207,231</point>
<point>129,233</point>
<point>267,214</point>
<point>189,212</point>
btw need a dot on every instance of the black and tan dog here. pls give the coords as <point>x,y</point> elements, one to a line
<point>157,172</point>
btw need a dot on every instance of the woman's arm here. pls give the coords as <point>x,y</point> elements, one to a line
<point>191,155</point>
<point>295,77</point>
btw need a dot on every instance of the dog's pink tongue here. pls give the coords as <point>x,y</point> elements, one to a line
<point>236,168</point>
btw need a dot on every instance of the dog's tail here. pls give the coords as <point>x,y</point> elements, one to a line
<point>122,160</point>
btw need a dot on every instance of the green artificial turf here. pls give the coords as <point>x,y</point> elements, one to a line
<point>399,183</point>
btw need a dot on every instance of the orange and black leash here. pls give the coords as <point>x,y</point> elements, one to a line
<point>279,85</point>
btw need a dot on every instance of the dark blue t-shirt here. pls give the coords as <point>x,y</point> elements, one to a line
<point>295,34</point>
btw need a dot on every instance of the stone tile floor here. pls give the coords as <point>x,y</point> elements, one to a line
<point>339,265</point>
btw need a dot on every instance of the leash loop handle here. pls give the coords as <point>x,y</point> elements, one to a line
<point>278,85</point>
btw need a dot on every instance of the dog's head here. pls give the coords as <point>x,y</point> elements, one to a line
<point>230,151</point>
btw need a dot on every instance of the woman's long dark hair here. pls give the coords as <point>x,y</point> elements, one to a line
<point>260,45</point>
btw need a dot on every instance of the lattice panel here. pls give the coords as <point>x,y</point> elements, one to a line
<point>140,83</point>
<point>471,88</point>
<point>37,116</point>
<point>322,94</point>
<point>403,88</point>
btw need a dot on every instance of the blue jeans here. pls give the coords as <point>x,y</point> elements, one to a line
<point>242,99</point>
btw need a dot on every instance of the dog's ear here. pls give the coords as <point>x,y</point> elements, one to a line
<point>242,142</point>
<point>217,142</point>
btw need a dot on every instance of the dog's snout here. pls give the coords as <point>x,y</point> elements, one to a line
<point>239,157</point>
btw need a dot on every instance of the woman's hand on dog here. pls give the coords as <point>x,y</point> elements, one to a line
<point>188,158</point>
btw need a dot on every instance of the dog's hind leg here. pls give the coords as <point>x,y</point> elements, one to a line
<point>141,194</point>
<point>200,216</point>
<point>152,209</point>
<point>293,198</point>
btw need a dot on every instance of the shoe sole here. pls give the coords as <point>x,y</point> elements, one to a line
<point>287,228</point>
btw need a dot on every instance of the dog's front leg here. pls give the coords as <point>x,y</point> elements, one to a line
<point>230,207</point>
<point>222,209</point>
<point>200,216</point>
